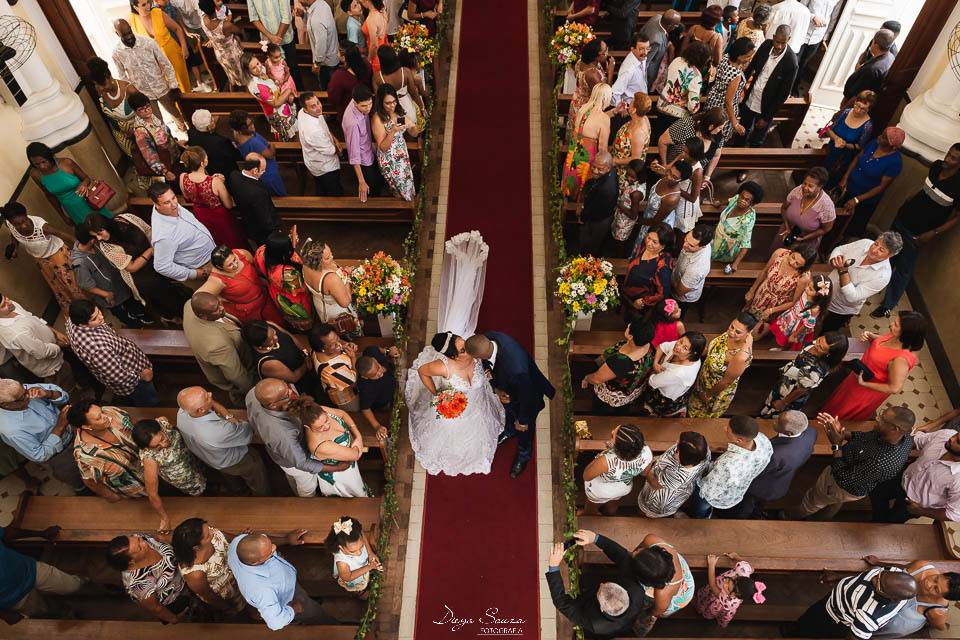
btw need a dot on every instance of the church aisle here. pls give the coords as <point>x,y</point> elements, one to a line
<point>479,549</point>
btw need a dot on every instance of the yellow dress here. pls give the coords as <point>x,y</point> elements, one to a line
<point>166,41</point>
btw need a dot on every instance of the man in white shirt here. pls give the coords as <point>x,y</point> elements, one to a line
<point>632,77</point>
<point>820,12</point>
<point>693,265</point>
<point>860,269</point>
<point>34,344</point>
<point>321,151</point>
<point>773,70</point>
<point>796,15</point>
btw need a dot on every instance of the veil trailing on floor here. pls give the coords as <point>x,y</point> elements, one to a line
<point>461,283</point>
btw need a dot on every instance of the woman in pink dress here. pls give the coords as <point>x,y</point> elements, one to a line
<point>279,70</point>
<point>889,358</point>
<point>212,202</point>
<point>808,212</point>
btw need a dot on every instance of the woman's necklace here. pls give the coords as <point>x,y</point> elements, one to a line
<point>113,97</point>
<point>805,208</point>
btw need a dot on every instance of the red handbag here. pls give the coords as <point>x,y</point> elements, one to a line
<point>99,194</point>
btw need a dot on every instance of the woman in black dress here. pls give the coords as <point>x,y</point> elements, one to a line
<point>278,355</point>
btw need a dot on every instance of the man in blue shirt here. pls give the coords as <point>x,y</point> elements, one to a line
<point>269,583</point>
<point>181,244</point>
<point>33,420</point>
<point>23,579</point>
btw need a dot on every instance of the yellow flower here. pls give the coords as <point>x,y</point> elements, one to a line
<point>564,288</point>
<point>362,291</point>
<point>575,306</point>
<point>599,286</point>
<point>379,306</point>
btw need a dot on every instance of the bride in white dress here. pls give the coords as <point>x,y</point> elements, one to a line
<point>454,446</point>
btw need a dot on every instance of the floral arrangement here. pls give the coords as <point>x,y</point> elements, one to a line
<point>568,41</point>
<point>587,284</point>
<point>414,38</point>
<point>381,285</point>
<point>449,404</point>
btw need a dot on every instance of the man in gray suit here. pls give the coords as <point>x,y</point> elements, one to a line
<point>657,30</point>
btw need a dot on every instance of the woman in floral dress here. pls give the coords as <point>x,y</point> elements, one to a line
<point>732,238</point>
<point>201,552</point>
<point>619,380</point>
<point>164,455</point>
<point>720,598</point>
<point>728,357</point>
<point>804,374</point>
<point>781,282</point>
<point>159,154</point>
<point>595,65</point>
<point>278,105</point>
<point>681,94</point>
<point>633,138</point>
<point>105,452</point>
<point>112,96</point>
<point>223,37</point>
<point>388,125</point>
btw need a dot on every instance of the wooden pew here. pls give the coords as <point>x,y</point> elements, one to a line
<point>318,209</point>
<point>661,433</point>
<point>768,213</point>
<point>687,18</point>
<point>780,546</point>
<point>223,102</point>
<point>750,158</point>
<point>36,629</point>
<point>592,343</point>
<point>742,277</point>
<point>93,520</point>
<point>370,440</point>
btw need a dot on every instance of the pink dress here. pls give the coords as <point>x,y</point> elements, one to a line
<point>278,72</point>
<point>721,608</point>
<point>665,332</point>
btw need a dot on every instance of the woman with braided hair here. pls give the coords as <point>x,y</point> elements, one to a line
<point>610,476</point>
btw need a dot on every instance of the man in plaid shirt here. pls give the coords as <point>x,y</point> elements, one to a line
<point>116,362</point>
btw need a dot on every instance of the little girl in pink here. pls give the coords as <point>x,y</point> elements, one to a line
<point>667,324</point>
<point>724,594</point>
<point>278,70</point>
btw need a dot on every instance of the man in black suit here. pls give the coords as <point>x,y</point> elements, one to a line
<point>600,195</point>
<point>521,386</point>
<point>253,199</point>
<point>772,70</point>
<point>222,156</point>
<point>792,447</point>
<point>607,612</point>
<point>869,75</point>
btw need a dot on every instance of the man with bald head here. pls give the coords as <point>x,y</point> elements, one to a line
<point>219,439</point>
<point>254,202</point>
<point>857,607</point>
<point>141,62</point>
<point>268,581</point>
<point>600,194</point>
<point>657,30</point>
<point>273,410</point>
<point>214,337</point>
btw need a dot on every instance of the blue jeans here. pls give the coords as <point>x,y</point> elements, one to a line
<point>697,507</point>
<point>143,395</point>
<point>903,265</point>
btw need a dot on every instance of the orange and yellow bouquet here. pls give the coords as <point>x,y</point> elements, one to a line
<point>449,404</point>
<point>587,284</point>
<point>568,41</point>
<point>381,285</point>
<point>414,38</point>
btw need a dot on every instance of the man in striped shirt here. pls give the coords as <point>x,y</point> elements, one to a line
<point>857,607</point>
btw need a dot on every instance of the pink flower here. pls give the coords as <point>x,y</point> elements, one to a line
<point>592,299</point>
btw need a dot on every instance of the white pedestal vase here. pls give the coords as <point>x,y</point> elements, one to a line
<point>569,80</point>
<point>582,321</point>
<point>386,324</point>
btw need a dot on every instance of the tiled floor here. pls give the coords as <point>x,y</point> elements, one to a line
<point>12,487</point>
<point>807,134</point>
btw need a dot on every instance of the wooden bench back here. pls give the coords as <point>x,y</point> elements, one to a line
<point>317,209</point>
<point>36,629</point>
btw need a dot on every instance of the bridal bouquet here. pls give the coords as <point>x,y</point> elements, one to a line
<point>449,404</point>
<point>587,284</point>
<point>414,38</point>
<point>380,285</point>
<point>567,42</point>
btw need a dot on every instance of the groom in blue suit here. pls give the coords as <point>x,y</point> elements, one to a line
<point>520,384</point>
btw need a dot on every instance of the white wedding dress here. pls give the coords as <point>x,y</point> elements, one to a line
<point>462,445</point>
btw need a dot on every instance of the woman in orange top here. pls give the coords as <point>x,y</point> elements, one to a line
<point>374,30</point>
<point>154,23</point>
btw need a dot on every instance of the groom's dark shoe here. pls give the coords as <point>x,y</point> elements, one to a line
<point>518,467</point>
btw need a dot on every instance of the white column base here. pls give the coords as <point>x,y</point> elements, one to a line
<point>930,132</point>
<point>53,116</point>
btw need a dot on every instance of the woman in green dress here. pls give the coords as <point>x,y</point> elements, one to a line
<point>619,379</point>
<point>63,181</point>
<point>731,241</point>
<point>332,437</point>
<point>164,455</point>
<point>728,356</point>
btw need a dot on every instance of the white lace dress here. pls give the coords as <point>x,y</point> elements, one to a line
<point>455,446</point>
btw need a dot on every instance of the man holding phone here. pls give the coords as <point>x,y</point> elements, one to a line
<point>860,269</point>
<point>861,461</point>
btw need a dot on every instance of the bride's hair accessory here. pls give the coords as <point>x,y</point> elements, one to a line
<point>446,343</point>
<point>343,526</point>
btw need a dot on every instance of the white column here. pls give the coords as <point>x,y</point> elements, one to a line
<point>52,114</point>
<point>931,121</point>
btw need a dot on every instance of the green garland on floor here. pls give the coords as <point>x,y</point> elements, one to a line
<point>555,207</point>
<point>388,510</point>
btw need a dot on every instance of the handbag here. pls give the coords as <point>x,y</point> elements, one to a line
<point>346,324</point>
<point>100,194</point>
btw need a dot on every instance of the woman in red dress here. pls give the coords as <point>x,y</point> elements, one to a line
<point>889,357</point>
<point>235,281</point>
<point>212,202</point>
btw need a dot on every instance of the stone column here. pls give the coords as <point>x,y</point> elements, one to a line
<point>932,120</point>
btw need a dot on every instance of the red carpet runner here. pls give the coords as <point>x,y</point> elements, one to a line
<point>478,558</point>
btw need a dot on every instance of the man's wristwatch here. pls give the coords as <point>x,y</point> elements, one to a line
<point>834,447</point>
